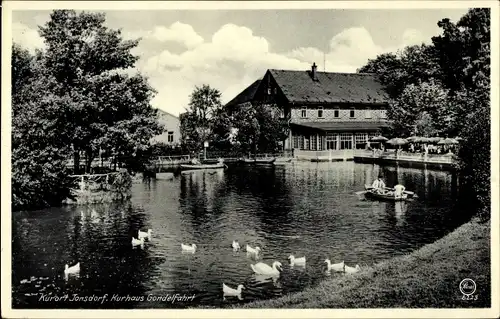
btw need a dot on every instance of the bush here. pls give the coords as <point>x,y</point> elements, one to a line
<point>476,160</point>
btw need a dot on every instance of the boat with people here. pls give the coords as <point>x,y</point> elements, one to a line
<point>387,194</point>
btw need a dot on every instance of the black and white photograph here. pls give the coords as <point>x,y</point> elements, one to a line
<point>250,156</point>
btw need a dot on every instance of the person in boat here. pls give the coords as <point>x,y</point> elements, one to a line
<point>379,185</point>
<point>399,191</point>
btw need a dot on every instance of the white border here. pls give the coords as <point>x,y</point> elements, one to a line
<point>257,313</point>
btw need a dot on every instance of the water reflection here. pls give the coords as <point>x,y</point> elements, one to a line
<point>304,209</point>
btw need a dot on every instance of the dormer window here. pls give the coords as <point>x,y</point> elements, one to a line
<point>320,112</point>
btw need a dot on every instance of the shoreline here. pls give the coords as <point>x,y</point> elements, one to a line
<point>426,278</point>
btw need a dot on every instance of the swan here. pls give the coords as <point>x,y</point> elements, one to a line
<point>72,270</point>
<point>189,248</point>
<point>228,291</point>
<point>335,267</point>
<point>297,261</point>
<point>137,242</point>
<point>352,270</point>
<point>264,269</point>
<point>254,251</point>
<point>236,245</point>
<point>143,234</point>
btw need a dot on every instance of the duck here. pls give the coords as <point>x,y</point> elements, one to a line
<point>335,267</point>
<point>137,242</point>
<point>230,292</point>
<point>254,251</point>
<point>352,270</point>
<point>264,269</point>
<point>144,235</point>
<point>189,248</point>
<point>236,245</point>
<point>297,261</point>
<point>72,270</point>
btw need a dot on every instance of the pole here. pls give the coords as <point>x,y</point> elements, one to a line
<point>205,153</point>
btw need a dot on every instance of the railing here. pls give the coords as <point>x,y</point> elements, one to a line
<point>172,159</point>
<point>94,181</point>
<point>237,155</point>
<point>407,156</point>
<point>324,155</point>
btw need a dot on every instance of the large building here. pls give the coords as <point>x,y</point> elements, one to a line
<point>172,133</point>
<point>326,111</point>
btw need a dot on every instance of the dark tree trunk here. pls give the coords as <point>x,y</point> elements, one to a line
<point>89,156</point>
<point>76,162</point>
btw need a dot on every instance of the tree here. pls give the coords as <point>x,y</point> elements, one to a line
<point>203,117</point>
<point>426,101</point>
<point>39,130</point>
<point>86,58</point>
<point>273,128</point>
<point>247,127</point>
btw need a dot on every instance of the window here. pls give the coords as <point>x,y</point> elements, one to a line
<point>275,91</point>
<point>296,141</point>
<point>306,144</point>
<point>360,139</point>
<point>331,141</point>
<point>346,141</point>
<point>336,113</point>
<point>321,142</point>
<point>170,137</point>
<point>320,112</point>
<point>303,112</point>
<point>368,114</point>
<point>383,114</point>
<point>268,91</point>
<point>313,142</point>
<point>351,114</point>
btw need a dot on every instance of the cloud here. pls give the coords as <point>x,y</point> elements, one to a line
<point>233,58</point>
<point>26,37</point>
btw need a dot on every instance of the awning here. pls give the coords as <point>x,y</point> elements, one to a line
<point>343,126</point>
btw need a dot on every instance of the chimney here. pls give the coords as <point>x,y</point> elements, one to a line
<point>313,71</point>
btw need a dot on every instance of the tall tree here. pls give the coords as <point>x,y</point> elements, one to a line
<point>86,57</point>
<point>39,133</point>
<point>202,117</point>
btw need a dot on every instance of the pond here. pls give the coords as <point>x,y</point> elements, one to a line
<point>304,209</point>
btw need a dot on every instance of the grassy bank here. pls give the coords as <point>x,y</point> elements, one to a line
<point>426,278</point>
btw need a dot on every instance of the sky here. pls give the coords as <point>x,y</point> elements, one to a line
<point>230,49</point>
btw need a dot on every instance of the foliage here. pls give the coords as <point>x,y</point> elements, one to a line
<point>204,120</point>
<point>445,87</point>
<point>273,128</point>
<point>425,98</point>
<point>39,176</point>
<point>74,97</point>
<point>247,127</point>
<point>109,109</point>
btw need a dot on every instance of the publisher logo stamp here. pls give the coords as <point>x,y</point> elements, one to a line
<point>468,288</point>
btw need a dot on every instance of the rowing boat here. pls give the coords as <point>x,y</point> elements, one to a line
<point>389,196</point>
<point>202,166</point>
<point>388,189</point>
<point>259,161</point>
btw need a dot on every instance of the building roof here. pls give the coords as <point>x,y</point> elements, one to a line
<point>344,126</point>
<point>299,87</point>
<point>245,96</point>
<point>162,112</point>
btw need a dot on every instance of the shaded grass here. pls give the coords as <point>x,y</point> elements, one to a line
<point>426,278</point>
